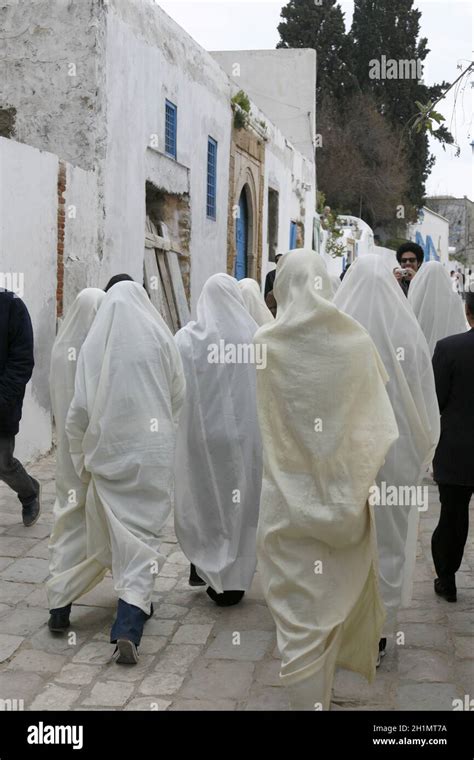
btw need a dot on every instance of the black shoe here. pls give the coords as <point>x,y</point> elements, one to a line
<point>382,646</point>
<point>59,619</point>
<point>448,593</point>
<point>226,599</point>
<point>194,578</point>
<point>126,652</point>
<point>32,512</point>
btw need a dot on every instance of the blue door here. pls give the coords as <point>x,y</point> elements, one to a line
<point>293,230</point>
<point>241,238</point>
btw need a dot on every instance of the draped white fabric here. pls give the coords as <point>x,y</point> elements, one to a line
<point>254,303</point>
<point>121,427</point>
<point>327,424</point>
<point>438,308</point>
<point>335,283</point>
<point>371,295</point>
<point>218,453</point>
<point>68,540</point>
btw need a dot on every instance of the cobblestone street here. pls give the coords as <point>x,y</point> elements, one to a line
<point>190,657</point>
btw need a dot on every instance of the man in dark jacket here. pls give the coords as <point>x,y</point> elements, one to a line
<point>453,469</point>
<point>269,283</point>
<point>16,367</point>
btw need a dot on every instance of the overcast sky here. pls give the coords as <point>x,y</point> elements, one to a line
<point>448,25</point>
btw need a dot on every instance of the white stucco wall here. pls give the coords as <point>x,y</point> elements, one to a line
<point>50,72</point>
<point>431,225</point>
<point>82,267</point>
<point>150,58</point>
<point>292,175</point>
<point>282,83</point>
<point>28,246</point>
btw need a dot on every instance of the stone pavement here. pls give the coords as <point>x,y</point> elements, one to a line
<point>196,656</point>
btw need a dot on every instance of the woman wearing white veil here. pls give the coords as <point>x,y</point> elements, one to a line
<point>371,295</point>
<point>68,542</point>
<point>254,303</point>
<point>121,427</point>
<point>218,452</point>
<point>437,306</point>
<point>327,424</point>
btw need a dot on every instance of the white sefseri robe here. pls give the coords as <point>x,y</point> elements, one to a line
<point>370,294</point>
<point>68,542</point>
<point>254,303</point>
<point>437,306</point>
<point>327,424</point>
<point>218,461</point>
<point>121,427</point>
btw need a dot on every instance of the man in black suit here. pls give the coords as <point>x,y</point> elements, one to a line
<point>16,367</point>
<point>453,465</point>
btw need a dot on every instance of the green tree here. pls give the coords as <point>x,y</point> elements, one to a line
<point>321,27</point>
<point>391,28</point>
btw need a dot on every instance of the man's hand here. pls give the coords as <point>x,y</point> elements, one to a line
<point>398,273</point>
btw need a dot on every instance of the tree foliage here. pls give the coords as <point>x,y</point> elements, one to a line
<point>350,101</point>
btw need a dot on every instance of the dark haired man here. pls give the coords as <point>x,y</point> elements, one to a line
<point>453,364</point>
<point>410,256</point>
<point>115,279</point>
<point>16,367</point>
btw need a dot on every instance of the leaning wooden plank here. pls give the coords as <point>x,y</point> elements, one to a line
<point>156,241</point>
<point>178,287</point>
<point>154,285</point>
<point>168,289</point>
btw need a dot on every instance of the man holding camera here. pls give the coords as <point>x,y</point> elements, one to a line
<point>410,256</point>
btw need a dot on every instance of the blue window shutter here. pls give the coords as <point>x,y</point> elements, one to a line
<point>171,124</point>
<point>211,202</point>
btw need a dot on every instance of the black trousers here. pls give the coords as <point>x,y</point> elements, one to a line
<point>449,538</point>
<point>13,473</point>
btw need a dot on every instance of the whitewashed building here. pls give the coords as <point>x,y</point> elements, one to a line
<point>126,117</point>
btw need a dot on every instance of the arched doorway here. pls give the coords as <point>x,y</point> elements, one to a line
<point>242,237</point>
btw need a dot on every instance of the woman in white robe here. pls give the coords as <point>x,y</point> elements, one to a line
<point>68,542</point>
<point>371,295</point>
<point>254,303</point>
<point>327,424</point>
<point>121,427</point>
<point>437,306</point>
<point>218,452</point>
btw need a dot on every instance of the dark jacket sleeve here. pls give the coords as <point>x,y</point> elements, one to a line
<point>443,372</point>
<point>20,362</point>
<point>269,280</point>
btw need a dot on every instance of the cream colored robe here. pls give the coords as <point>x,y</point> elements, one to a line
<point>327,424</point>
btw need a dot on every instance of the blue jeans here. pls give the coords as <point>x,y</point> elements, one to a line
<point>129,623</point>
